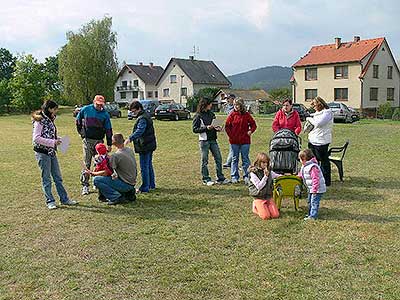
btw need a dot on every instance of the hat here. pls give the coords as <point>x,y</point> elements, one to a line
<point>99,99</point>
<point>101,149</point>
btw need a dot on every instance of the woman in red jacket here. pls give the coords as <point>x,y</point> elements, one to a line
<point>239,126</point>
<point>287,118</point>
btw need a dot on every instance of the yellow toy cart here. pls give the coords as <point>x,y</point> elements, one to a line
<point>287,186</point>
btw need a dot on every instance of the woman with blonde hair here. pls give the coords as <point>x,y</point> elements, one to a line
<point>239,126</point>
<point>320,136</point>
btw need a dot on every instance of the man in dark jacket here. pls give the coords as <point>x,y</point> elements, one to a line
<point>144,141</point>
<point>93,123</point>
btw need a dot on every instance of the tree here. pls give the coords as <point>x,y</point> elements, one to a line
<point>53,83</point>
<point>192,101</point>
<point>5,95</point>
<point>278,95</point>
<point>88,63</point>
<point>28,84</point>
<point>7,64</point>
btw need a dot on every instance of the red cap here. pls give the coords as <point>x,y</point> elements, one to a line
<point>99,99</point>
<point>101,149</point>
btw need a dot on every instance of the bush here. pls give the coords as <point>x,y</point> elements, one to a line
<point>396,114</point>
<point>268,108</point>
<point>385,111</point>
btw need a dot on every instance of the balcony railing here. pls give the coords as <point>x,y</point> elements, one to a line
<point>127,88</point>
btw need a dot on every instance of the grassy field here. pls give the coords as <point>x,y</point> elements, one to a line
<point>189,241</point>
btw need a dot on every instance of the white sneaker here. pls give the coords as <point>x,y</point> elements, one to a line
<point>309,219</point>
<point>51,205</point>
<point>208,183</point>
<point>234,180</point>
<point>70,202</point>
<point>85,190</point>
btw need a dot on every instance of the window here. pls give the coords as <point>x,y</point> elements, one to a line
<point>124,83</point>
<point>136,83</point>
<point>375,72</point>
<point>155,94</point>
<point>135,94</point>
<point>311,74</point>
<point>310,94</point>
<point>184,91</point>
<point>341,94</point>
<point>123,95</point>
<point>172,78</point>
<point>390,94</point>
<point>165,92</point>
<point>341,72</point>
<point>373,94</point>
<point>390,72</point>
<point>150,94</point>
<point>141,95</point>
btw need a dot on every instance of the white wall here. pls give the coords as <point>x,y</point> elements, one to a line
<point>129,77</point>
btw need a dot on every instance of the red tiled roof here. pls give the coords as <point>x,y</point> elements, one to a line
<point>347,52</point>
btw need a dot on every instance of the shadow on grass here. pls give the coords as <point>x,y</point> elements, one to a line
<point>337,214</point>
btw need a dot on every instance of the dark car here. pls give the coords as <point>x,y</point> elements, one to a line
<point>113,110</point>
<point>149,106</point>
<point>355,115</point>
<point>172,111</point>
<point>302,110</point>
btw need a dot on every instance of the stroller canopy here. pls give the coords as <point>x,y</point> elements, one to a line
<point>283,150</point>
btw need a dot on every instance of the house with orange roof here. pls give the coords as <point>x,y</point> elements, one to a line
<point>361,73</point>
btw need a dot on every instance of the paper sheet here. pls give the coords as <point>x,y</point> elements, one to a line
<point>64,144</point>
<point>216,122</point>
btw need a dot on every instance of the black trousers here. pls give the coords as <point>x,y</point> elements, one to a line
<point>321,153</point>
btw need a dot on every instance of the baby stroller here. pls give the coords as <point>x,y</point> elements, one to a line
<point>283,151</point>
<point>284,148</point>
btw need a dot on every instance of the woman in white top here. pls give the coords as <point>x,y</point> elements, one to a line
<point>321,136</point>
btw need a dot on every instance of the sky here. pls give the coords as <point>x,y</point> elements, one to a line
<point>238,35</point>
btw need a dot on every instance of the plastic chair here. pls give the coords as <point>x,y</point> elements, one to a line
<point>287,186</point>
<point>338,160</point>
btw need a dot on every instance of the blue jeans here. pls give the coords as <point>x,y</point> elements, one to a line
<point>147,171</point>
<point>112,189</point>
<point>229,158</point>
<point>313,204</point>
<point>212,146</point>
<point>50,168</point>
<point>243,150</point>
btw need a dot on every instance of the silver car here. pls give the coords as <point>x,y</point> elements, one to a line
<point>341,112</point>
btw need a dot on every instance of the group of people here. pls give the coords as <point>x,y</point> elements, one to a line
<point>113,175</point>
<point>240,125</point>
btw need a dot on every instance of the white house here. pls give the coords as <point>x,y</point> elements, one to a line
<point>361,73</point>
<point>183,78</point>
<point>137,82</point>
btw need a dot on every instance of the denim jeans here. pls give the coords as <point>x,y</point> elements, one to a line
<point>89,151</point>
<point>212,146</point>
<point>147,171</point>
<point>50,168</point>
<point>229,158</point>
<point>243,150</point>
<point>112,189</point>
<point>313,204</point>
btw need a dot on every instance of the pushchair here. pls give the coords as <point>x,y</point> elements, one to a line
<point>284,148</point>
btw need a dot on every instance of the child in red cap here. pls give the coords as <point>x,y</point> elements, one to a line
<point>101,163</point>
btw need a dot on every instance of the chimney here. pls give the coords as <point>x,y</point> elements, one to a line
<point>151,65</point>
<point>140,64</point>
<point>356,38</point>
<point>191,57</point>
<point>337,42</point>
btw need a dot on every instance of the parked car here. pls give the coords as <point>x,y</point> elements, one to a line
<point>302,110</point>
<point>148,105</point>
<point>355,115</point>
<point>341,112</point>
<point>113,110</point>
<point>172,111</point>
<point>76,110</point>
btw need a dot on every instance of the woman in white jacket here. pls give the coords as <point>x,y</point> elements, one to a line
<point>321,136</point>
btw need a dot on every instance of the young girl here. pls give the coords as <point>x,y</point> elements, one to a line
<point>314,180</point>
<point>260,187</point>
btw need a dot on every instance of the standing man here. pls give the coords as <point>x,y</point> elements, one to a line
<point>144,141</point>
<point>93,123</point>
<point>120,186</point>
<point>228,109</point>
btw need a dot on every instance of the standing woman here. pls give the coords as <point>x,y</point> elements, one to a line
<point>239,126</point>
<point>321,136</point>
<point>45,143</point>
<point>287,118</point>
<point>144,142</point>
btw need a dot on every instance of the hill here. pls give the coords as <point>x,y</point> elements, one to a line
<point>266,78</point>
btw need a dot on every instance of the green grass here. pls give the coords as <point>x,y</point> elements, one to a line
<point>188,241</point>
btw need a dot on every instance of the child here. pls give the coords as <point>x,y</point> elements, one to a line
<point>101,163</point>
<point>260,187</point>
<point>314,180</point>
